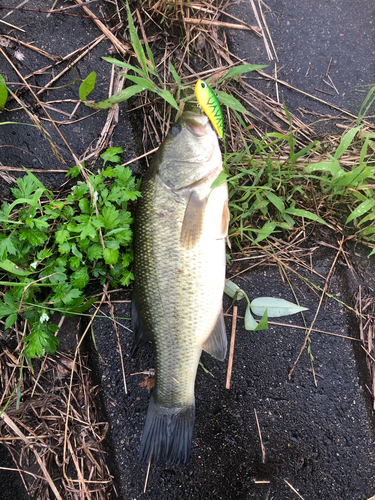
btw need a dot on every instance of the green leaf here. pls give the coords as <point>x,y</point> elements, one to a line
<point>346,141</point>
<point>275,200</point>
<point>95,251</point>
<point>109,217</point>
<point>142,82</point>
<point>111,155</point>
<point>167,96</point>
<point>86,227</point>
<point>243,68</point>
<point>80,278</point>
<point>87,86</point>
<point>122,64</point>
<point>121,96</point>
<point>138,49</point>
<point>175,74</point>
<point>8,306</point>
<point>372,252</point>
<point>250,323</point>
<point>10,267</point>
<point>266,230</point>
<point>11,319</point>
<point>75,263</point>
<point>76,252</point>
<point>275,307</point>
<point>233,290</point>
<point>73,294</point>
<point>220,179</point>
<point>73,172</point>
<point>362,208</point>
<point>33,235</point>
<point>304,213</point>
<point>6,246</point>
<point>40,341</point>
<point>231,102</point>
<point>127,278</point>
<point>84,205</point>
<point>111,255</point>
<point>263,323</point>
<point>3,93</point>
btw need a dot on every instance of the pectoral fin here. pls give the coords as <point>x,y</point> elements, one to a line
<point>192,224</point>
<point>225,220</point>
<point>216,344</point>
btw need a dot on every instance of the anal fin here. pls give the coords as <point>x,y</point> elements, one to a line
<point>216,343</point>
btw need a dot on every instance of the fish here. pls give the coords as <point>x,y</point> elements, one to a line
<point>181,225</point>
<point>210,104</point>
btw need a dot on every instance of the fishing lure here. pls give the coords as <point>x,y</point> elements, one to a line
<point>209,103</point>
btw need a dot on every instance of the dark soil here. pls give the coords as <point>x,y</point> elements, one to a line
<point>320,439</point>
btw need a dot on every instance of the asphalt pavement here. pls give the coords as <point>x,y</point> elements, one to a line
<point>318,440</point>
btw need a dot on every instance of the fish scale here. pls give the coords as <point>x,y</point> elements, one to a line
<point>178,286</point>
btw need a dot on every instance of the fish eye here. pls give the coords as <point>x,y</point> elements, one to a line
<point>175,129</point>
<point>203,85</point>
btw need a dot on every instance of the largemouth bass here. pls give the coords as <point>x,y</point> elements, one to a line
<point>179,265</point>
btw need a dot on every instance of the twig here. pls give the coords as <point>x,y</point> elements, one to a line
<point>231,350</point>
<point>262,73</point>
<point>19,433</point>
<point>291,487</point>
<point>318,308</point>
<point>139,157</point>
<point>269,53</point>
<point>268,31</point>
<point>119,46</point>
<point>261,440</point>
<point>222,24</point>
<point>147,474</point>
<point>90,47</point>
<point>71,383</point>
<point>32,47</point>
<point>111,308</point>
<point>329,67</point>
<point>324,92</point>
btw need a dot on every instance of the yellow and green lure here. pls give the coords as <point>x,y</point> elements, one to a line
<point>209,103</point>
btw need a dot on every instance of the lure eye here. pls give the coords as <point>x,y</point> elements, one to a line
<point>203,85</point>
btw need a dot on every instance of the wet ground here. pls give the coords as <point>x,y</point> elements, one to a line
<point>318,440</point>
<point>324,49</point>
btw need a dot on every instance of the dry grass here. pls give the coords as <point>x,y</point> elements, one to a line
<point>34,426</point>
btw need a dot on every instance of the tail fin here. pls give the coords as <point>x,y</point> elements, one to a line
<point>167,434</point>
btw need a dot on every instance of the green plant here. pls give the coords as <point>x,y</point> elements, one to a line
<point>265,307</point>
<point>263,187</point>
<point>3,92</point>
<point>50,249</point>
<point>146,77</point>
<point>352,187</point>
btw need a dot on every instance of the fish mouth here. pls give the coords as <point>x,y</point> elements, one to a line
<point>198,125</point>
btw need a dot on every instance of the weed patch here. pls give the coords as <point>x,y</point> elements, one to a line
<point>50,248</point>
